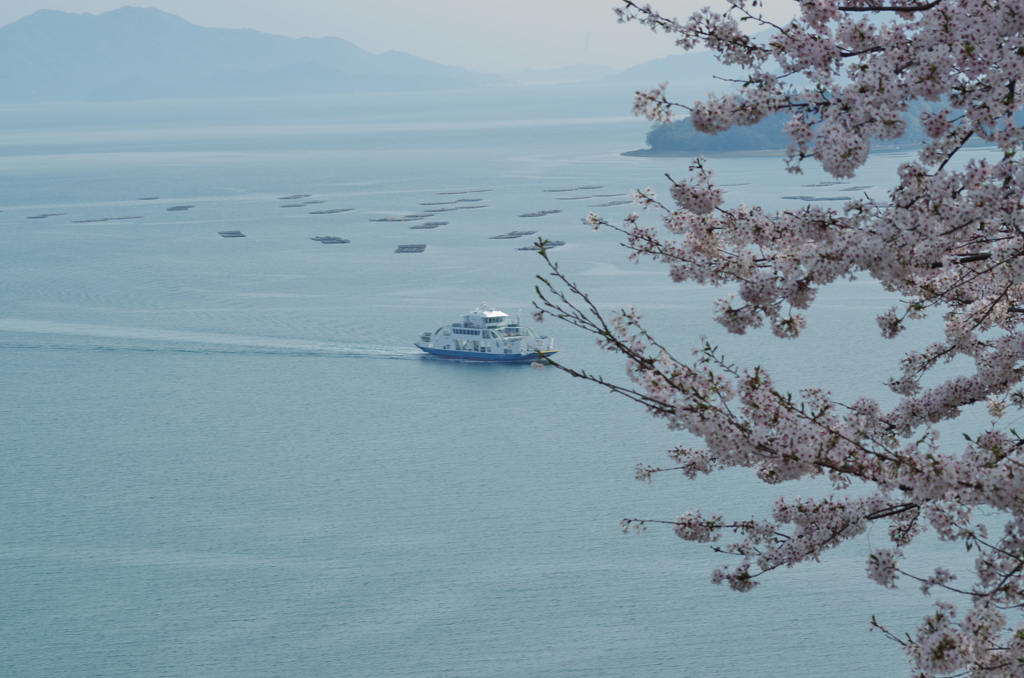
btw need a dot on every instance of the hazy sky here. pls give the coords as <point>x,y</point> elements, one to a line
<point>483,35</point>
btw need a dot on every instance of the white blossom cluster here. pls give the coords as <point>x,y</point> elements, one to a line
<point>949,241</point>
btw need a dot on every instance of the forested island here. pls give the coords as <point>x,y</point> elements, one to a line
<point>680,138</point>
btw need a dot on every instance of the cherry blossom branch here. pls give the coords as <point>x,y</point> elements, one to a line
<point>949,241</point>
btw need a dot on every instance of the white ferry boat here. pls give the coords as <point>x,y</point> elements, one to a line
<point>486,335</point>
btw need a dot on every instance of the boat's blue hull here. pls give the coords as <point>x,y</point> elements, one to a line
<point>486,357</point>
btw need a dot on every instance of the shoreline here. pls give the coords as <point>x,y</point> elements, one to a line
<point>763,153</point>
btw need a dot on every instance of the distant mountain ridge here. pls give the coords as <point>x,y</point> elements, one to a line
<point>144,53</point>
<point>687,67</point>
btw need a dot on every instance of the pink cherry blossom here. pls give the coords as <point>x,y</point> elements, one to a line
<point>949,242</point>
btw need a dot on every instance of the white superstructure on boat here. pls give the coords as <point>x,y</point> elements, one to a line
<point>488,335</point>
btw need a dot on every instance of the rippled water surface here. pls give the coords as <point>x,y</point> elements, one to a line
<point>224,457</point>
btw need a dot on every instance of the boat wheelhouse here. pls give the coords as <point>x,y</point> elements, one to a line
<point>487,335</point>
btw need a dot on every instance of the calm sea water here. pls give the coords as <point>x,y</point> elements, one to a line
<point>224,458</point>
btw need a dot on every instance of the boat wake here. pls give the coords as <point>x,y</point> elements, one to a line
<point>112,338</point>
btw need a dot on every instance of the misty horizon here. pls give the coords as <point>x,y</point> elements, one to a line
<point>136,53</point>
